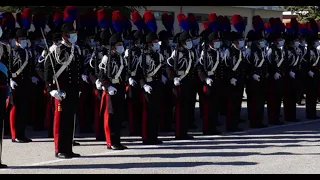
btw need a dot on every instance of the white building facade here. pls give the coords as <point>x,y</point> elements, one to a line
<point>202,13</point>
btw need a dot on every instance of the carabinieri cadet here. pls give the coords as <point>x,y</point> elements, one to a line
<point>39,52</point>
<point>55,35</point>
<point>257,74</point>
<point>103,38</point>
<point>63,80</point>
<point>21,67</point>
<point>291,84</point>
<point>151,80</point>
<point>88,46</point>
<point>209,71</point>
<point>311,71</point>
<point>278,59</point>
<point>166,48</point>
<point>179,67</point>
<point>197,86</point>
<point>112,76</point>
<point>236,66</point>
<point>4,88</point>
<point>132,56</point>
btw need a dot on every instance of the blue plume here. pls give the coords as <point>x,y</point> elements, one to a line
<point>185,25</point>
<point>152,25</point>
<point>139,24</point>
<point>214,26</point>
<point>119,26</point>
<point>239,27</point>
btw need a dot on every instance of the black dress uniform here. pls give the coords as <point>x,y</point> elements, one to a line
<point>290,96</point>
<point>278,59</point>
<point>4,92</point>
<point>209,71</point>
<point>179,67</point>
<point>167,104</point>
<point>151,81</point>
<point>21,67</point>
<point>257,80</point>
<point>235,80</point>
<point>69,81</point>
<point>132,56</point>
<point>311,70</point>
<point>112,76</point>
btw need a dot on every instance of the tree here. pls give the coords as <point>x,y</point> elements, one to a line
<point>305,12</point>
<point>50,9</point>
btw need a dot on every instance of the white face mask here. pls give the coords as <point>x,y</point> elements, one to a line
<point>155,47</point>
<point>23,44</point>
<point>120,49</point>
<point>280,43</point>
<point>73,38</point>
<point>13,43</point>
<point>171,43</point>
<point>262,44</point>
<point>296,43</point>
<point>241,44</point>
<point>195,42</point>
<point>189,44</point>
<point>217,45</point>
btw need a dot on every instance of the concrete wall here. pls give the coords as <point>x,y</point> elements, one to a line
<point>219,10</point>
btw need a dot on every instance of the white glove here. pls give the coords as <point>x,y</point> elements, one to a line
<point>132,82</point>
<point>311,74</point>
<point>13,84</point>
<point>147,88</point>
<point>54,93</point>
<point>98,84</point>
<point>256,77</point>
<point>176,81</point>
<point>233,81</point>
<point>34,80</point>
<point>103,88</point>
<point>43,54</point>
<point>209,81</point>
<point>163,79</point>
<point>85,78</point>
<point>277,76</point>
<point>292,74</point>
<point>112,91</point>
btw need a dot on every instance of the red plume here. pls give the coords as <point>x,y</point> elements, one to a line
<point>212,17</point>
<point>116,15</point>
<point>191,17</point>
<point>205,24</point>
<point>148,15</point>
<point>135,16</point>
<point>181,17</point>
<point>236,18</point>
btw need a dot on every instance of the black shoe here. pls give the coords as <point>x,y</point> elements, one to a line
<point>293,120</point>
<point>75,143</point>
<point>75,155</point>
<point>313,118</point>
<point>21,140</point>
<point>193,126</point>
<point>277,123</point>
<point>218,123</point>
<point>152,142</point>
<point>2,166</point>
<point>258,126</point>
<point>212,133</point>
<point>50,136</point>
<point>234,129</point>
<point>186,137</point>
<point>116,147</point>
<point>38,129</point>
<point>63,156</point>
<point>86,131</point>
<point>242,121</point>
<point>102,138</point>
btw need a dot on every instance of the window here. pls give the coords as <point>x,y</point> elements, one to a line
<point>200,17</point>
<point>158,14</point>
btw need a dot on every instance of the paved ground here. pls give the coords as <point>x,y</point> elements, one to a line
<point>290,148</point>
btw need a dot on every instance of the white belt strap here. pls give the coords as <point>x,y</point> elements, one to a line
<point>211,72</point>
<point>188,68</point>
<point>238,62</point>
<point>120,69</point>
<point>262,61</point>
<point>14,75</point>
<point>65,65</point>
<point>157,68</point>
<point>296,61</point>
<point>282,58</point>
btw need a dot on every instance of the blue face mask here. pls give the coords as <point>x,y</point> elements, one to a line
<point>92,43</point>
<point>241,44</point>
<point>73,38</point>
<point>296,44</point>
<point>217,45</point>
<point>303,43</point>
<point>171,44</point>
<point>262,44</point>
<point>189,44</point>
<point>43,42</point>
<point>156,46</point>
<point>196,41</point>
<point>120,49</point>
<point>13,43</point>
<point>23,44</point>
<point>280,43</point>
